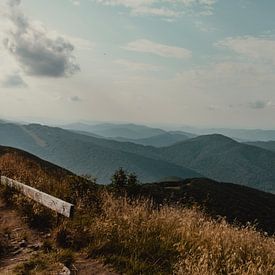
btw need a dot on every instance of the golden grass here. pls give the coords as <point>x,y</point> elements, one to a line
<point>136,238</point>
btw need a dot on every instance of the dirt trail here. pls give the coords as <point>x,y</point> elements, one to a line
<point>25,243</point>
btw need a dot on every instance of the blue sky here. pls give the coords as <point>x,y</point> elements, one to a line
<point>193,62</point>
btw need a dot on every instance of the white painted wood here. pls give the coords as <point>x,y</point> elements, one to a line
<point>57,205</point>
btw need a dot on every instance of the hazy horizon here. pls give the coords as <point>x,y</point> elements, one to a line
<point>164,126</point>
<point>199,63</point>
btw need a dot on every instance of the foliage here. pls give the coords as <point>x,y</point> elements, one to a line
<point>123,181</point>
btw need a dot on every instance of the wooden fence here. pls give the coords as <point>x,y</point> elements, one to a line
<point>64,208</point>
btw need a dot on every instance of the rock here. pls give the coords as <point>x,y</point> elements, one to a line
<point>65,271</point>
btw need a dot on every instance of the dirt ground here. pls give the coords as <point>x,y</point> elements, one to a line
<point>26,243</point>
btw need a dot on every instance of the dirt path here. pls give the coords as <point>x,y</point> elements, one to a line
<point>26,243</point>
<point>23,241</point>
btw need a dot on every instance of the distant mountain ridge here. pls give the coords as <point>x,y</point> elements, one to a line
<point>225,159</point>
<point>268,145</point>
<point>87,155</point>
<point>162,140</point>
<point>245,135</point>
<point>214,156</point>
<point>109,130</point>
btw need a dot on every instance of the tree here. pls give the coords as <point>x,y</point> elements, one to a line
<point>132,179</point>
<point>119,179</point>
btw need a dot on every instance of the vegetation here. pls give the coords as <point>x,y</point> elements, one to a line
<point>3,244</point>
<point>137,238</point>
<point>135,235</point>
<point>268,145</point>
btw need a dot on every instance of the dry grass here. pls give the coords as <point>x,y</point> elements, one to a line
<point>137,238</point>
<point>4,244</point>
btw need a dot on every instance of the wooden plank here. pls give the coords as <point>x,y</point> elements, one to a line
<point>57,205</point>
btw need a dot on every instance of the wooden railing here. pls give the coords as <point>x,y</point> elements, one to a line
<point>64,208</point>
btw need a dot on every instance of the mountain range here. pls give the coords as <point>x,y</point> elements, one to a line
<point>213,156</point>
<point>138,134</point>
<point>87,155</point>
<point>245,135</point>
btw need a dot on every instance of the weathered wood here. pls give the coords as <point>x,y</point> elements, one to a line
<point>58,205</point>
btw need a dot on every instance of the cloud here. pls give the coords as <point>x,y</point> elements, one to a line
<point>75,98</point>
<point>259,104</point>
<point>13,3</point>
<point>147,46</point>
<point>35,49</point>
<point>163,8</point>
<point>136,66</point>
<point>13,81</point>
<point>76,2</point>
<point>254,48</point>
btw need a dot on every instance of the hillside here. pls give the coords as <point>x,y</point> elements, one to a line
<point>223,159</point>
<point>23,233</point>
<point>236,202</point>
<point>88,155</point>
<point>25,167</point>
<point>267,145</point>
<point>181,236</point>
<point>239,204</point>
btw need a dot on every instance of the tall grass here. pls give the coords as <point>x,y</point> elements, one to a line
<point>137,238</point>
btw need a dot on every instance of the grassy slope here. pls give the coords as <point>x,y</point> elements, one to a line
<point>137,238</point>
<point>237,203</point>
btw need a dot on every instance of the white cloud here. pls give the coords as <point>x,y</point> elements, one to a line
<point>136,66</point>
<point>147,46</point>
<point>163,8</point>
<point>254,48</point>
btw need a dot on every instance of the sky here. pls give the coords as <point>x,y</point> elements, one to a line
<point>207,63</point>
